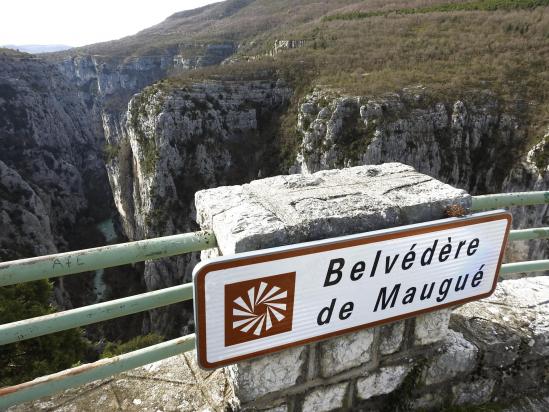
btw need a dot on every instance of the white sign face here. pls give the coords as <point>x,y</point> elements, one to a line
<point>255,303</point>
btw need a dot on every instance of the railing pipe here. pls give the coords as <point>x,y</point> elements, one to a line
<point>499,200</point>
<point>55,322</point>
<point>61,264</point>
<point>50,384</point>
<point>529,234</point>
<point>519,267</point>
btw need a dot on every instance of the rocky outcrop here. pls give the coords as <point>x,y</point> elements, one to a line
<point>98,77</point>
<point>49,150</point>
<point>53,183</point>
<point>111,80</point>
<point>476,144</point>
<point>280,45</point>
<point>206,55</point>
<point>530,173</point>
<point>177,141</point>
<point>174,141</point>
<point>24,218</point>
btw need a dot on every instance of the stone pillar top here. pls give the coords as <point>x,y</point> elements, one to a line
<point>289,209</point>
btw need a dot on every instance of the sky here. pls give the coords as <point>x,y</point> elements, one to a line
<point>76,23</point>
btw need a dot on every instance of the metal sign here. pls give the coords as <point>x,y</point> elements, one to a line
<point>256,303</point>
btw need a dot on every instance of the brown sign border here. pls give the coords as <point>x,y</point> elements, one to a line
<point>267,255</point>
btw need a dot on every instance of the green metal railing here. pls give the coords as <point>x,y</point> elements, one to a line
<point>86,315</point>
<point>501,200</point>
<point>497,201</point>
<point>103,368</point>
<point>62,264</point>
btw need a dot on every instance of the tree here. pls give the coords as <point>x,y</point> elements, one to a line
<point>28,359</point>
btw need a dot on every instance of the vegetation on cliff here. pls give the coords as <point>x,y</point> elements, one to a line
<point>28,359</point>
<point>455,49</point>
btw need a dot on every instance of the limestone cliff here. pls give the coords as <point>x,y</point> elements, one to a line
<point>53,183</point>
<point>111,80</point>
<point>177,141</point>
<point>475,143</point>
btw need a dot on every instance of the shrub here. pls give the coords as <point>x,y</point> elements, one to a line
<point>110,151</point>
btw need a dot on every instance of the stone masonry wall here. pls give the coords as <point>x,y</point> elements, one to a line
<point>415,364</point>
<point>354,368</point>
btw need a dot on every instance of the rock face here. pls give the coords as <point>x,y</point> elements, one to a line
<point>474,144</point>
<point>24,217</point>
<point>53,183</point>
<point>176,142</point>
<point>100,80</point>
<point>109,82</point>
<point>52,174</point>
<point>209,55</point>
<point>280,45</point>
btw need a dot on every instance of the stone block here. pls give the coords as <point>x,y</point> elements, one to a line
<point>499,344</point>
<point>513,322</point>
<point>325,398</point>
<point>473,393</point>
<point>279,408</point>
<point>382,382</point>
<point>428,401</point>
<point>432,327</point>
<point>456,356</point>
<point>288,209</point>
<point>257,377</point>
<point>391,337</point>
<point>346,352</point>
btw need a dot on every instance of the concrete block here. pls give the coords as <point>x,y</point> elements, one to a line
<point>287,209</point>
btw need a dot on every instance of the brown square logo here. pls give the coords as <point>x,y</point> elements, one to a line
<point>259,308</point>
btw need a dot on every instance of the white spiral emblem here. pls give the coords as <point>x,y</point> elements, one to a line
<point>259,308</point>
